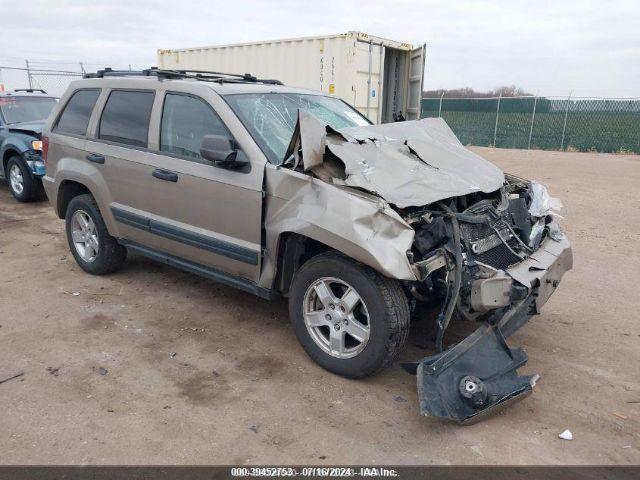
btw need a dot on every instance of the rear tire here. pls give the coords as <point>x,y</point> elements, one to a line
<point>23,186</point>
<point>94,249</point>
<point>324,328</point>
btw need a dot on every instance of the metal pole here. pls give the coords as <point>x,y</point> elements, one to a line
<point>533,117</point>
<point>29,74</point>
<point>564,126</point>
<point>440,107</point>
<point>369,79</point>
<point>495,128</point>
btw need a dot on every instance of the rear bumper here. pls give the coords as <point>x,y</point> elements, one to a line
<point>51,189</point>
<point>478,376</point>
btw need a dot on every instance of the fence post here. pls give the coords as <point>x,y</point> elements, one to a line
<point>495,128</point>
<point>440,107</point>
<point>29,74</point>
<point>533,117</point>
<point>564,126</point>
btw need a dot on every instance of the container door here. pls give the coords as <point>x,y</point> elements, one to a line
<point>366,86</point>
<point>416,80</point>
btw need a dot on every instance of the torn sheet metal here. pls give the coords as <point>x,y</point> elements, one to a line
<point>360,225</point>
<point>473,379</point>
<point>411,163</point>
<point>312,138</point>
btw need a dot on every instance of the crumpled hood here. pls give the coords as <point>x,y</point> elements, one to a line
<point>28,127</point>
<point>412,163</point>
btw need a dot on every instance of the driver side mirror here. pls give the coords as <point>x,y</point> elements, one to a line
<point>221,151</point>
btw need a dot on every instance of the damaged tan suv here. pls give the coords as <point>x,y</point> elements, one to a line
<point>282,191</point>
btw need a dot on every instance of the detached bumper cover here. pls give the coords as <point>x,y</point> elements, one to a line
<point>35,163</point>
<point>473,379</point>
<point>478,376</point>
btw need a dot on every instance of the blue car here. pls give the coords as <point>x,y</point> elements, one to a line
<point>22,115</point>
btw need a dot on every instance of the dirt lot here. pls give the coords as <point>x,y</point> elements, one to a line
<point>154,366</point>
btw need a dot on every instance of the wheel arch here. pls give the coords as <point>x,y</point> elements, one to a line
<point>288,250</point>
<point>67,191</point>
<point>294,250</point>
<point>8,152</point>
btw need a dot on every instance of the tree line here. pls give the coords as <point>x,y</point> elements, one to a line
<point>468,92</point>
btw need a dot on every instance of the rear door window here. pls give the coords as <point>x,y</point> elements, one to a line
<point>125,118</point>
<point>185,120</point>
<point>76,114</point>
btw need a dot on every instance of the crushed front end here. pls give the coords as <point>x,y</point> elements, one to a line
<point>486,247</point>
<point>494,259</point>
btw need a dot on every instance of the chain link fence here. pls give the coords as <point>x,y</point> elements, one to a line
<point>51,76</point>
<point>52,81</point>
<point>546,123</point>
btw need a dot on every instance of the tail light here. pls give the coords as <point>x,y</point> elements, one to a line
<point>45,149</point>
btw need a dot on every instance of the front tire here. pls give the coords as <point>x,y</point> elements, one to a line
<point>94,249</point>
<point>349,319</point>
<point>23,186</point>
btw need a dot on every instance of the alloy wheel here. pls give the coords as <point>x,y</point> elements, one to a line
<point>84,235</point>
<point>336,317</point>
<point>16,179</point>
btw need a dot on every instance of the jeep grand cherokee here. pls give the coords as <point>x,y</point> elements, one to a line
<point>282,191</point>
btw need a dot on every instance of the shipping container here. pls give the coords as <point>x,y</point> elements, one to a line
<point>382,78</point>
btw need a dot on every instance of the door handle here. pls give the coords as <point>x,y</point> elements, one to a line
<point>95,158</point>
<point>167,175</point>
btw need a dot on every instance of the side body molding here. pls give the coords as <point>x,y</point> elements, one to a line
<point>184,236</point>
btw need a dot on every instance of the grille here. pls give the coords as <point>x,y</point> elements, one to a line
<point>500,256</point>
<point>475,231</point>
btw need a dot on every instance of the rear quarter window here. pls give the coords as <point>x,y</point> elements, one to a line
<point>125,118</point>
<point>77,112</point>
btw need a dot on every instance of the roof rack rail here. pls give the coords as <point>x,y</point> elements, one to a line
<point>109,72</point>
<point>203,75</point>
<point>30,90</point>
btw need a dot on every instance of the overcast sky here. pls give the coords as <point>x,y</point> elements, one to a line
<point>547,47</point>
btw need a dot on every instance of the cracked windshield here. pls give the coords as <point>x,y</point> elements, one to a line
<point>271,117</point>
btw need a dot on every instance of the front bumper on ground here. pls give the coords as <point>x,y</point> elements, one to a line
<point>478,376</point>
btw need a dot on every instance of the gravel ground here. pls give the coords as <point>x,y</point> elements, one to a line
<point>155,366</point>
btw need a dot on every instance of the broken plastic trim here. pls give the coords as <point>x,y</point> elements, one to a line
<point>476,377</point>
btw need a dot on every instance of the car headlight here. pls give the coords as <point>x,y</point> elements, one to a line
<point>36,145</point>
